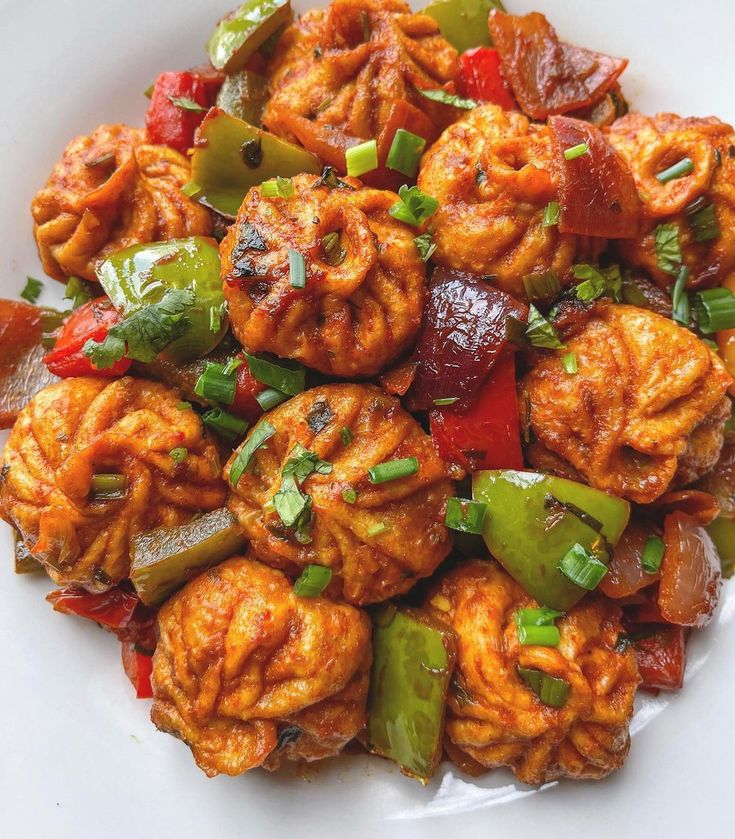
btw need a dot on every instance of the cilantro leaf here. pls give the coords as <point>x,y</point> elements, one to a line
<point>540,332</point>
<point>448,98</point>
<point>598,282</point>
<point>668,249</point>
<point>144,332</point>
<point>292,505</point>
<point>413,206</point>
<point>186,104</point>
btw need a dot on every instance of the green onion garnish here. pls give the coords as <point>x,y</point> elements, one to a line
<point>540,332</point>
<point>678,170</point>
<point>377,529</point>
<point>715,308</point>
<point>349,495</point>
<point>582,568</point>
<point>312,581</point>
<point>225,424</point>
<point>262,432</point>
<point>405,152</point>
<point>542,616</point>
<point>179,454</point>
<point>183,406</point>
<point>680,299</point>
<point>289,380</point>
<point>77,291</point>
<point>393,470</point>
<point>551,214</point>
<point>465,516</point>
<point>232,365</point>
<point>576,151</point>
<point>108,486</point>
<point>270,397</point>
<point>333,251</point>
<point>445,401</point>
<point>704,224</point>
<point>414,206</point>
<point>668,249</point>
<point>296,269</point>
<point>345,435</point>
<point>277,188</point>
<point>361,159</point>
<point>425,246</point>
<point>653,553</point>
<point>540,636</point>
<point>214,386</point>
<point>544,286</point>
<point>550,690</point>
<point>448,99</point>
<point>32,289</point>
<point>569,363</point>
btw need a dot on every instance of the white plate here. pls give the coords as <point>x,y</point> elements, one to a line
<point>79,757</point>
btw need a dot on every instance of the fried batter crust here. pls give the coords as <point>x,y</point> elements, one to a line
<point>247,673</point>
<point>392,534</point>
<point>83,426</point>
<point>493,175</point>
<point>352,318</point>
<point>111,190</point>
<point>646,401</point>
<point>496,719</point>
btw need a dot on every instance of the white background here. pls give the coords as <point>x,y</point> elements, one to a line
<point>78,756</point>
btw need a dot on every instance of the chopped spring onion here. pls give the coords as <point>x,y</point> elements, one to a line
<point>270,397</point>
<point>448,99</point>
<point>540,636</point>
<point>582,568</point>
<point>550,690</point>
<point>345,435</point>
<point>569,363</point>
<point>465,516</point>
<point>312,581</point>
<point>715,308</point>
<point>262,432</point>
<point>668,249</point>
<point>289,380</point>
<point>32,289</point>
<point>704,224</point>
<point>77,291</point>
<point>445,401</point>
<point>277,188</point>
<point>405,153</point>
<point>191,190</point>
<point>551,214</point>
<point>393,470</point>
<point>678,170</point>
<point>414,206</point>
<point>179,454</point>
<point>425,245</point>
<point>108,486</point>
<point>232,365</point>
<point>225,424</point>
<point>334,252</point>
<point>680,299</point>
<point>296,269</point>
<point>653,553</point>
<point>540,332</point>
<point>544,286</point>
<point>183,406</point>
<point>349,495</point>
<point>377,529</point>
<point>542,616</point>
<point>361,159</point>
<point>576,151</point>
<point>214,386</point>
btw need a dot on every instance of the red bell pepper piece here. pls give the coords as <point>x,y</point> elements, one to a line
<point>481,78</point>
<point>172,124</point>
<point>93,321</point>
<point>138,667</point>
<point>487,436</point>
<point>111,609</point>
<point>661,656</point>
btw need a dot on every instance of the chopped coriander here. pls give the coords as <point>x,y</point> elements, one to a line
<point>179,454</point>
<point>569,363</point>
<point>32,289</point>
<point>77,291</point>
<point>349,495</point>
<point>576,151</point>
<point>362,158</point>
<point>186,104</point>
<point>292,505</point>
<point>312,581</point>
<point>598,282</point>
<point>551,214</point>
<point>448,99</point>
<point>540,332</point>
<point>296,269</point>
<point>543,286</point>
<point>259,435</point>
<point>668,249</point>
<point>653,553</point>
<point>678,170</point>
<point>425,245</point>
<point>145,332</point>
<point>413,206</point>
<point>345,435</point>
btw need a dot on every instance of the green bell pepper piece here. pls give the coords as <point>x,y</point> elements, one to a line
<point>141,274</point>
<point>25,562</point>
<point>238,35</point>
<point>163,560</point>
<point>413,661</point>
<point>244,96</point>
<point>231,156</point>
<point>722,533</point>
<point>533,520</point>
<point>463,22</point>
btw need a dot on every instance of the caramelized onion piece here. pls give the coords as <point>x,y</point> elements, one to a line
<point>690,573</point>
<point>597,193</point>
<point>625,575</point>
